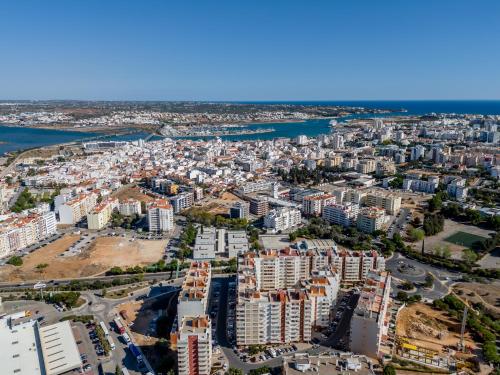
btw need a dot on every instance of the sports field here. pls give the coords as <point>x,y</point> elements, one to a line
<point>464,239</point>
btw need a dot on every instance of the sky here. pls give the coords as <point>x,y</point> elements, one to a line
<point>250,50</point>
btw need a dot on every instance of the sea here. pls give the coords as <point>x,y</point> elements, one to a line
<point>20,138</point>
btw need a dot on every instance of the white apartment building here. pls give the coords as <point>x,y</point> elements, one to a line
<point>391,203</point>
<point>130,207</point>
<point>341,214</point>
<point>323,287</point>
<point>281,298</point>
<point>354,266</point>
<point>371,219</point>
<point>428,186</point>
<point>19,232</point>
<point>100,215</point>
<point>337,141</point>
<point>313,205</point>
<point>366,166</point>
<point>160,216</point>
<point>282,218</point>
<point>417,152</point>
<point>194,345</point>
<point>457,189</point>
<point>370,321</point>
<point>193,297</point>
<point>74,210</point>
<point>182,201</point>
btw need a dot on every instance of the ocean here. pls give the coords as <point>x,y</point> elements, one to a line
<point>20,138</point>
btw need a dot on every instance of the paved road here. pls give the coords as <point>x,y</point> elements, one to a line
<point>58,282</point>
<point>442,278</point>
<point>344,323</point>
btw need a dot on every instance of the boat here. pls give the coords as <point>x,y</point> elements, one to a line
<point>333,122</point>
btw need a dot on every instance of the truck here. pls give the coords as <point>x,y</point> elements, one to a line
<point>135,352</point>
<point>104,328</point>
<point>126,338</point>
<point>120,328</point>
<point>111,342</point>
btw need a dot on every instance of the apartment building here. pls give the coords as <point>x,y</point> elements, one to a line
<point>100,215</point>
<point>341,214</point>
<point>457,189</point>
<point>385,168</point>
<point>313,205</point>
<point>282,218</point>
<point>130,207</point>
<point>354,266</point>
<point>370,321</point>
<point>273,317</point>
<point>160,216</point>
<point>391,203</point>
<point>19,232</point>
<point>240,210</point>
<point>194,346</point>
<point>252,187</point>
<point>280,299</point>
<point>371,219</point>
<point>323,287</point>
<point>428,186</point>
<point>182,201</point>
<point>366,166</point>
<point>193,297</point>
<point>74,210</point>
<point>259,207</point>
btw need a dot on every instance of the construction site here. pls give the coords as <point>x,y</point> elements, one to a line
<point>432,338</point>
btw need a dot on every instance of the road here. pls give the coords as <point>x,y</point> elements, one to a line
<point>442,278</point>
<point>59,282</point>
<point>399,222</point>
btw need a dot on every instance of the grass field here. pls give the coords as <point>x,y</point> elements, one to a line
<point>464,239</point>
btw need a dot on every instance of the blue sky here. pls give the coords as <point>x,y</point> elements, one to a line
<point>250,50</point>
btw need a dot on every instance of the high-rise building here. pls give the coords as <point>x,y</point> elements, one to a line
<point>337,142</point>
<point>182,201</point>
<point>370,321</point>
<point>130,207</point>
<point>160,216</point>
<point>282,218</point>
<point>313,205</point>
<point>417,152</point>
<point>259,207</point>
<point>74,210</point>
<point>391,203</point>
<point>240,210</point>
<point>371,219</point>
<point>194,346</point>
<point>100,215</point>
<point>341,214</point>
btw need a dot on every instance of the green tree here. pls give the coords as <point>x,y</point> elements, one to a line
<point>389,370</point>
<point>416,234</point>
<point>234,371</point>
<point>15,261</point>
<point>118,370</point>
<point>469,256</point>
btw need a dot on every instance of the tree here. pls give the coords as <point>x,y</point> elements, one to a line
<point>416,234</point>
<point>15,261</point>
<point>260,371</point>
<point>41,267</point>
<point>473,216</point>
<point>234,371</point>
<point>389,370</point>
<point>118,370</point>
<point>469,256</point>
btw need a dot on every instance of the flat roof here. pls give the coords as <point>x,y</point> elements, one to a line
<point>60,352</point>
<point>20,348</point>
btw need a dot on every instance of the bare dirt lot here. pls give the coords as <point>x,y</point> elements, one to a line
<point>451,227</point>
<point>103,254</point>
<point>133,192</point>
<point>487,294</point>
<point>429,328</point>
